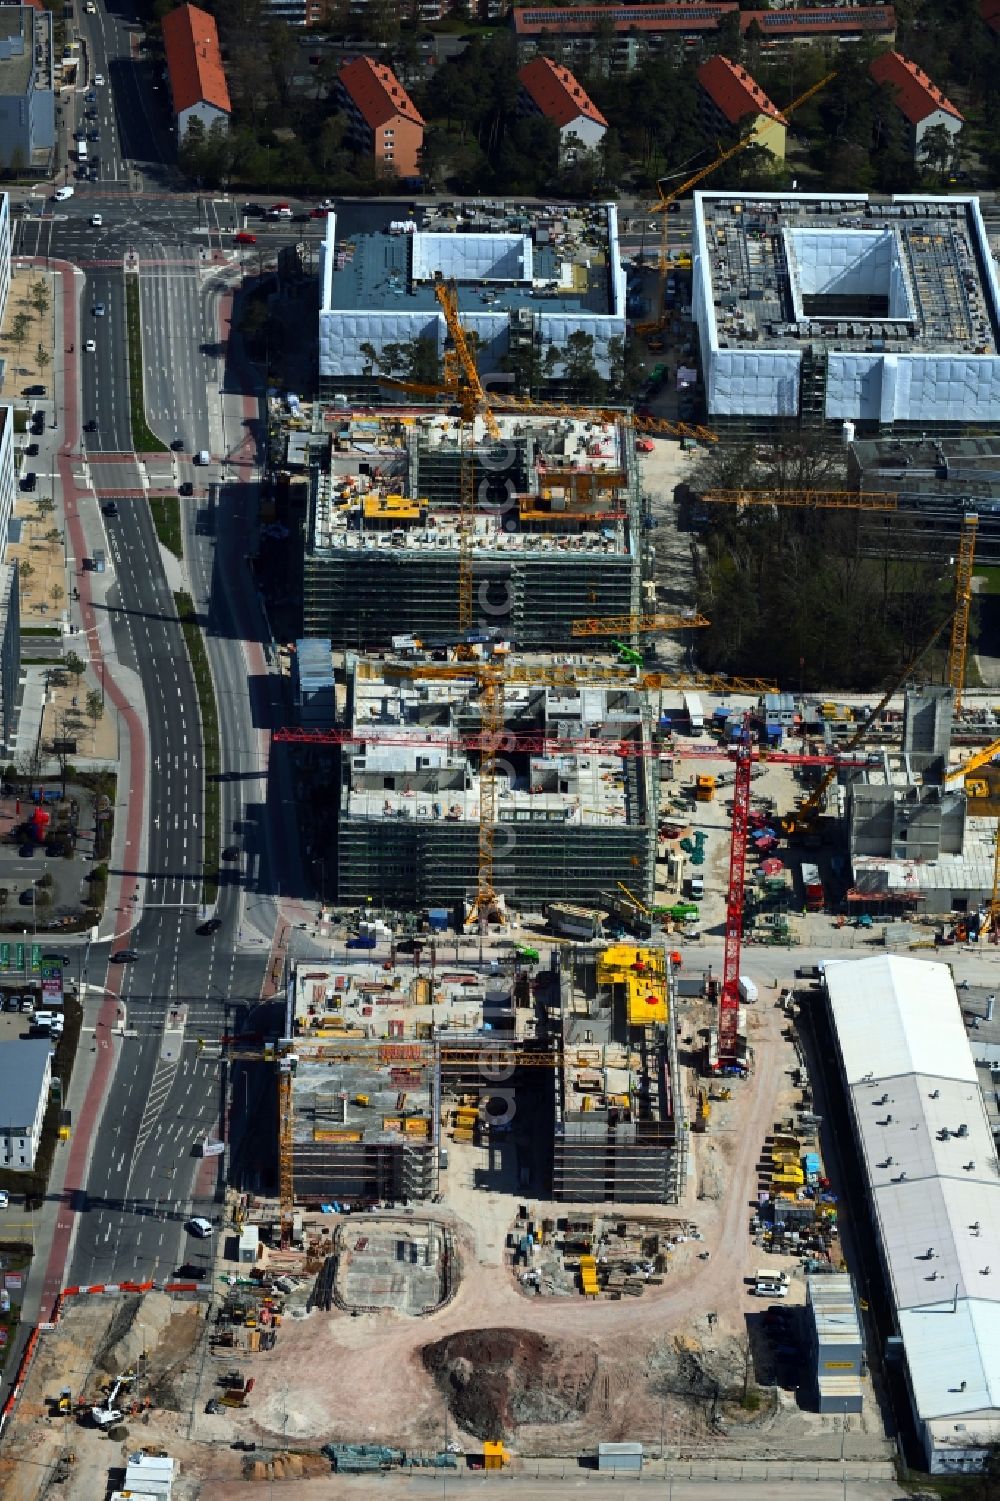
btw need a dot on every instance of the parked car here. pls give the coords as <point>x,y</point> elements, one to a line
<point>29,480</point>
<point>199,1227</point>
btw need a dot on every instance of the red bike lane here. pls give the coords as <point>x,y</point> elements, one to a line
<point>134,779</point>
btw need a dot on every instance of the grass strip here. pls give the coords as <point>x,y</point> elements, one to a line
<point>144,440</point>
<point>166,511</point>
<point>210,740</point>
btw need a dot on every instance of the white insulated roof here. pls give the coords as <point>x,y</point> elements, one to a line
<point>934,1180</point>
<point>897,1016</point>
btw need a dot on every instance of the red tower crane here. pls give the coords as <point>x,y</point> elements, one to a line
<point>729,1001</point>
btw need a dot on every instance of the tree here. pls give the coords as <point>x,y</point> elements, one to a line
<point>44,506</point>
<point>95,706</point>
<point>76,667</point>
<point>38,295</point>
<point>42,358</point>
<point>579,371</point>
<point>20,324</point>
<point>25,570</point>
<point>57,594</point>
<point>937,151</point>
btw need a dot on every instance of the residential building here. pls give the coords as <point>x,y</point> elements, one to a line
<point>556,530</point>
<point>27,90</point>
<point>9,458</point>
<point>195,73</point>
<point>10,650</point>
<point>574,814</point>
<point>384,122</point>
<point>620,1134</point>
<point>926,1170</point>
<point>733,102</point>
<point>617,38</point>
<point>548,88</point>
<point>846,313</point>
<point>25,1079</point>
<point>527,280</point>
<point>5,247</point>
<point>919,101</point>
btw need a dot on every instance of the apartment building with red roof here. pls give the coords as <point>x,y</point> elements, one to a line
<point>550,89</point>
<point>196,76</point>
<point>920,102</point>
<point>383,121</point>
<point>733,102</point>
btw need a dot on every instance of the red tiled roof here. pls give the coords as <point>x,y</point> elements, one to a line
<point>990,12</point>
<point>556,92</point>
<point>377,92</point>
<point>734,92</point>
<point>580,20</point>
<point>194,62</point>
<point>836,22</point>
<point>916,96</point>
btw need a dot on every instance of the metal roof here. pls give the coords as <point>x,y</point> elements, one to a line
<point>919,1028</point>
<point>23,1075</point>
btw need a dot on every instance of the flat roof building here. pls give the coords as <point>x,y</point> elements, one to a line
<point>195,74</point>
<point>556,528</point>
<point>27,89</point>
<point>25,1078</point>
<point>839,310</point>
<point>932,1181</point>
<point>527,280</point>
<point>619,1116</point>
<point>572,817</point>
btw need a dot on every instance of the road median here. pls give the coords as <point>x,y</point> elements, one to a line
<point>144,440</point>
<point>188,617</point>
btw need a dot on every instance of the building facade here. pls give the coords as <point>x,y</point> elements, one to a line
<point>5,247</point>
<point>25,1080</point>
<point>919,101</point>
<point>550,89</point>
<point>195,74</point>
<point>27,89</point>
<point>732,100</point>
<point>384,124</point>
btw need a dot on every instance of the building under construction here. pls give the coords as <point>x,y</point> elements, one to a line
<point>571,817</point>
<point>556,532</point>
<point>620,1133</point>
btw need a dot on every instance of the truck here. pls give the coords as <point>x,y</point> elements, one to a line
<point>812,888</point>
<point>695,713</point>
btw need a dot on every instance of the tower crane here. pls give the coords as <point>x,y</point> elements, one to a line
<point>729,999</point>
<point>808,810</point>
<point>631,625</point>
<point>662,206</point>
<point>806,500</point>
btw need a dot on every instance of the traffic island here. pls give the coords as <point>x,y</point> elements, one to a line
<point>188,618</point>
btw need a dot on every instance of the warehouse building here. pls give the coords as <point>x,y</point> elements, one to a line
<point>843,313</point>
<point>527,281</point>
<point>929,1165</point>
<point>619,1117</point>
<point>568,823</point>
<point>556,538</point>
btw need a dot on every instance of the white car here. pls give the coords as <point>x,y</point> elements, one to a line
<point>61,194</point>
<point>90,8</point>
<point>4,1198</point>
<point>99,79</point>
<point>199,1227</point>
<point>90,346</point>
<point>97,220</point>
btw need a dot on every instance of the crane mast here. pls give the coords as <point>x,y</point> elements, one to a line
<point>729,1001</point>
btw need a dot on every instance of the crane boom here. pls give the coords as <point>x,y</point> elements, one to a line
<point>808,500</point>
<point>630,625</point>
<point>963,604</point>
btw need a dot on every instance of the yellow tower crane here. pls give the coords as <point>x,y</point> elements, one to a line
<point>806,500</point>
<point>630,625</point>
<point>666,199</point>
<point>958,646</point>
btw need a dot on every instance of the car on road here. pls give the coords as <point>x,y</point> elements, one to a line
<point>185,488</point>
<point>29,480</point>
<point>27,899</point>
<point>31,450</point>
<point>4,1198</point>
<point>210,926</point>
<point>96,220</point>
<point>27,1006</point>
<point>99,310</point>
<point>124,956</point>
<point>317,213</point>
<point>80,135</point>
<point>199,1227</point>
<point>90,346</point>
<point>177,445</point>
<point>26,851</point>
<point>231,852</point>
<point>109,508</point>
<point>93,135</point>
<point>99,79</point>
<point>95,173</point>
<point>90,427</point>
<point>61,194</point>
<point>244,238</point>
<point>279,211</point>
<point>90,8</point>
